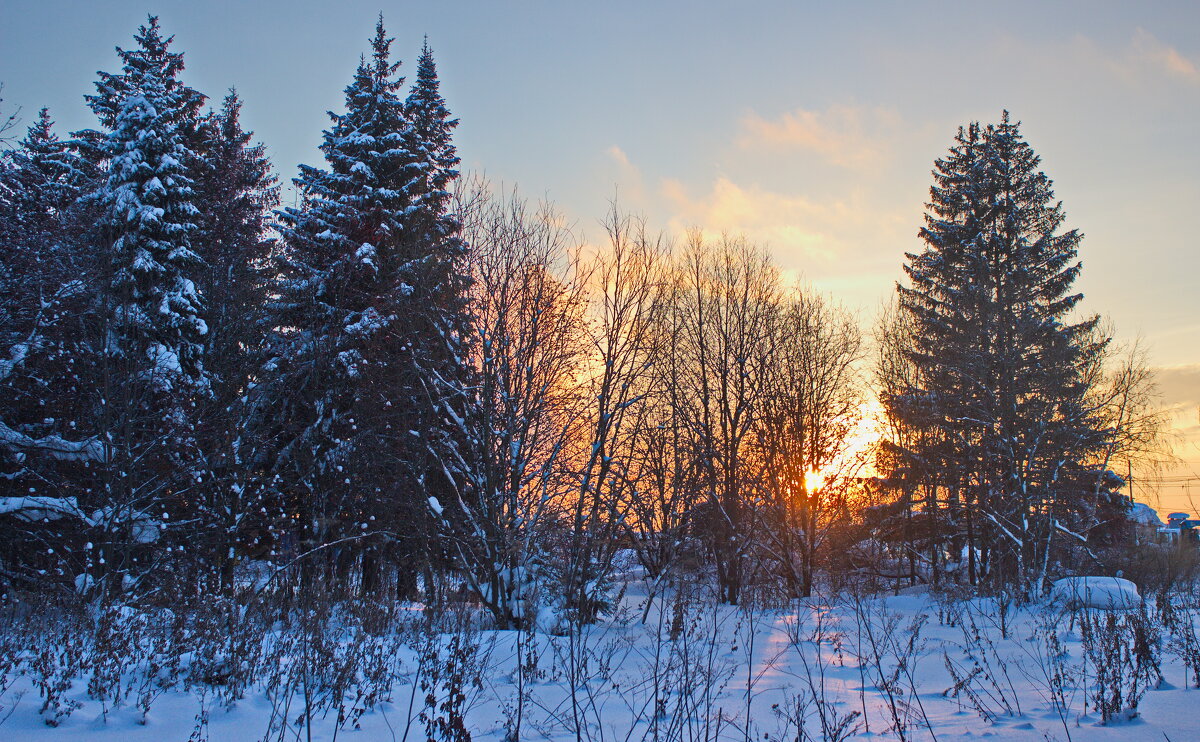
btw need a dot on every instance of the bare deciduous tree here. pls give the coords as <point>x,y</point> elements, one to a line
<point>626,274</point>
<point>529,301</point>
<point>728,295</point>
<point>811,406</point>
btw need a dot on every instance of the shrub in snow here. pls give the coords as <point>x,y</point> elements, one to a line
<point>1124,653</point>
<point>1184,642</point>
<point>979,670</point>
<point>448,680</point>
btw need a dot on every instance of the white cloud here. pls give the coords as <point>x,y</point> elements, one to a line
<point>627,178</point>
<point>618,155</point>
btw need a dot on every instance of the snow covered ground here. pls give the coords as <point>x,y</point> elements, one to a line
<point>909,666</point>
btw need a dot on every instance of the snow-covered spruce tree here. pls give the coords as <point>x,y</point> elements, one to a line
<point>46,439</point>
<point>1003,371</point>
<point>152,58</point>
<point>235,193</point>
<point>364,389</point>
<point>912,524</point>
<point>154,333</point>
<point>436,381</point>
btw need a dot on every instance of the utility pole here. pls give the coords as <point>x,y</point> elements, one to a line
<point>1129,479</point>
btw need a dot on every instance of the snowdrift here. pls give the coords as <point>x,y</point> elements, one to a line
<point>1108,593</point>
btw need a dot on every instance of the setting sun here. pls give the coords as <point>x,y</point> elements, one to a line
<point>814,481</point>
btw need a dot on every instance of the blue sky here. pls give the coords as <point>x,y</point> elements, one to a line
<point>811,127</point>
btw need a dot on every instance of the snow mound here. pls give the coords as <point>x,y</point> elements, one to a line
<point>626,565</point>
<point>1143,513</point>
<point>1096,592</point>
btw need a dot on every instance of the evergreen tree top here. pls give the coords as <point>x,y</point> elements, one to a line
<point>381,46</point>
<point>992,290</point>
<point>41,147</point>
<point>993,225</point>
<point>229,119</point>
<point>40,132</point>
<point>50,173</point>
<point>431,143</point>
<point>374,119</point>
<point>362,198</point>
<point>426,97</point>
<point>235,165</point>
<point>151,61</point>
<point>432,124</point>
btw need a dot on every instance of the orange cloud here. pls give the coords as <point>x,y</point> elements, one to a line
<point>1149,50</point>
<point>786,223</point>
<point>847,136</point>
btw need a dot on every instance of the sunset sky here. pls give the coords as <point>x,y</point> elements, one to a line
<point>811,128</point>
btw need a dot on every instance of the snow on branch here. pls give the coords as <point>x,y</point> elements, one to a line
<point>33,508</point>
<point>90,449</point>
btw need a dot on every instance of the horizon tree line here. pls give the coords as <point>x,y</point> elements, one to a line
<point>411,383</point>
